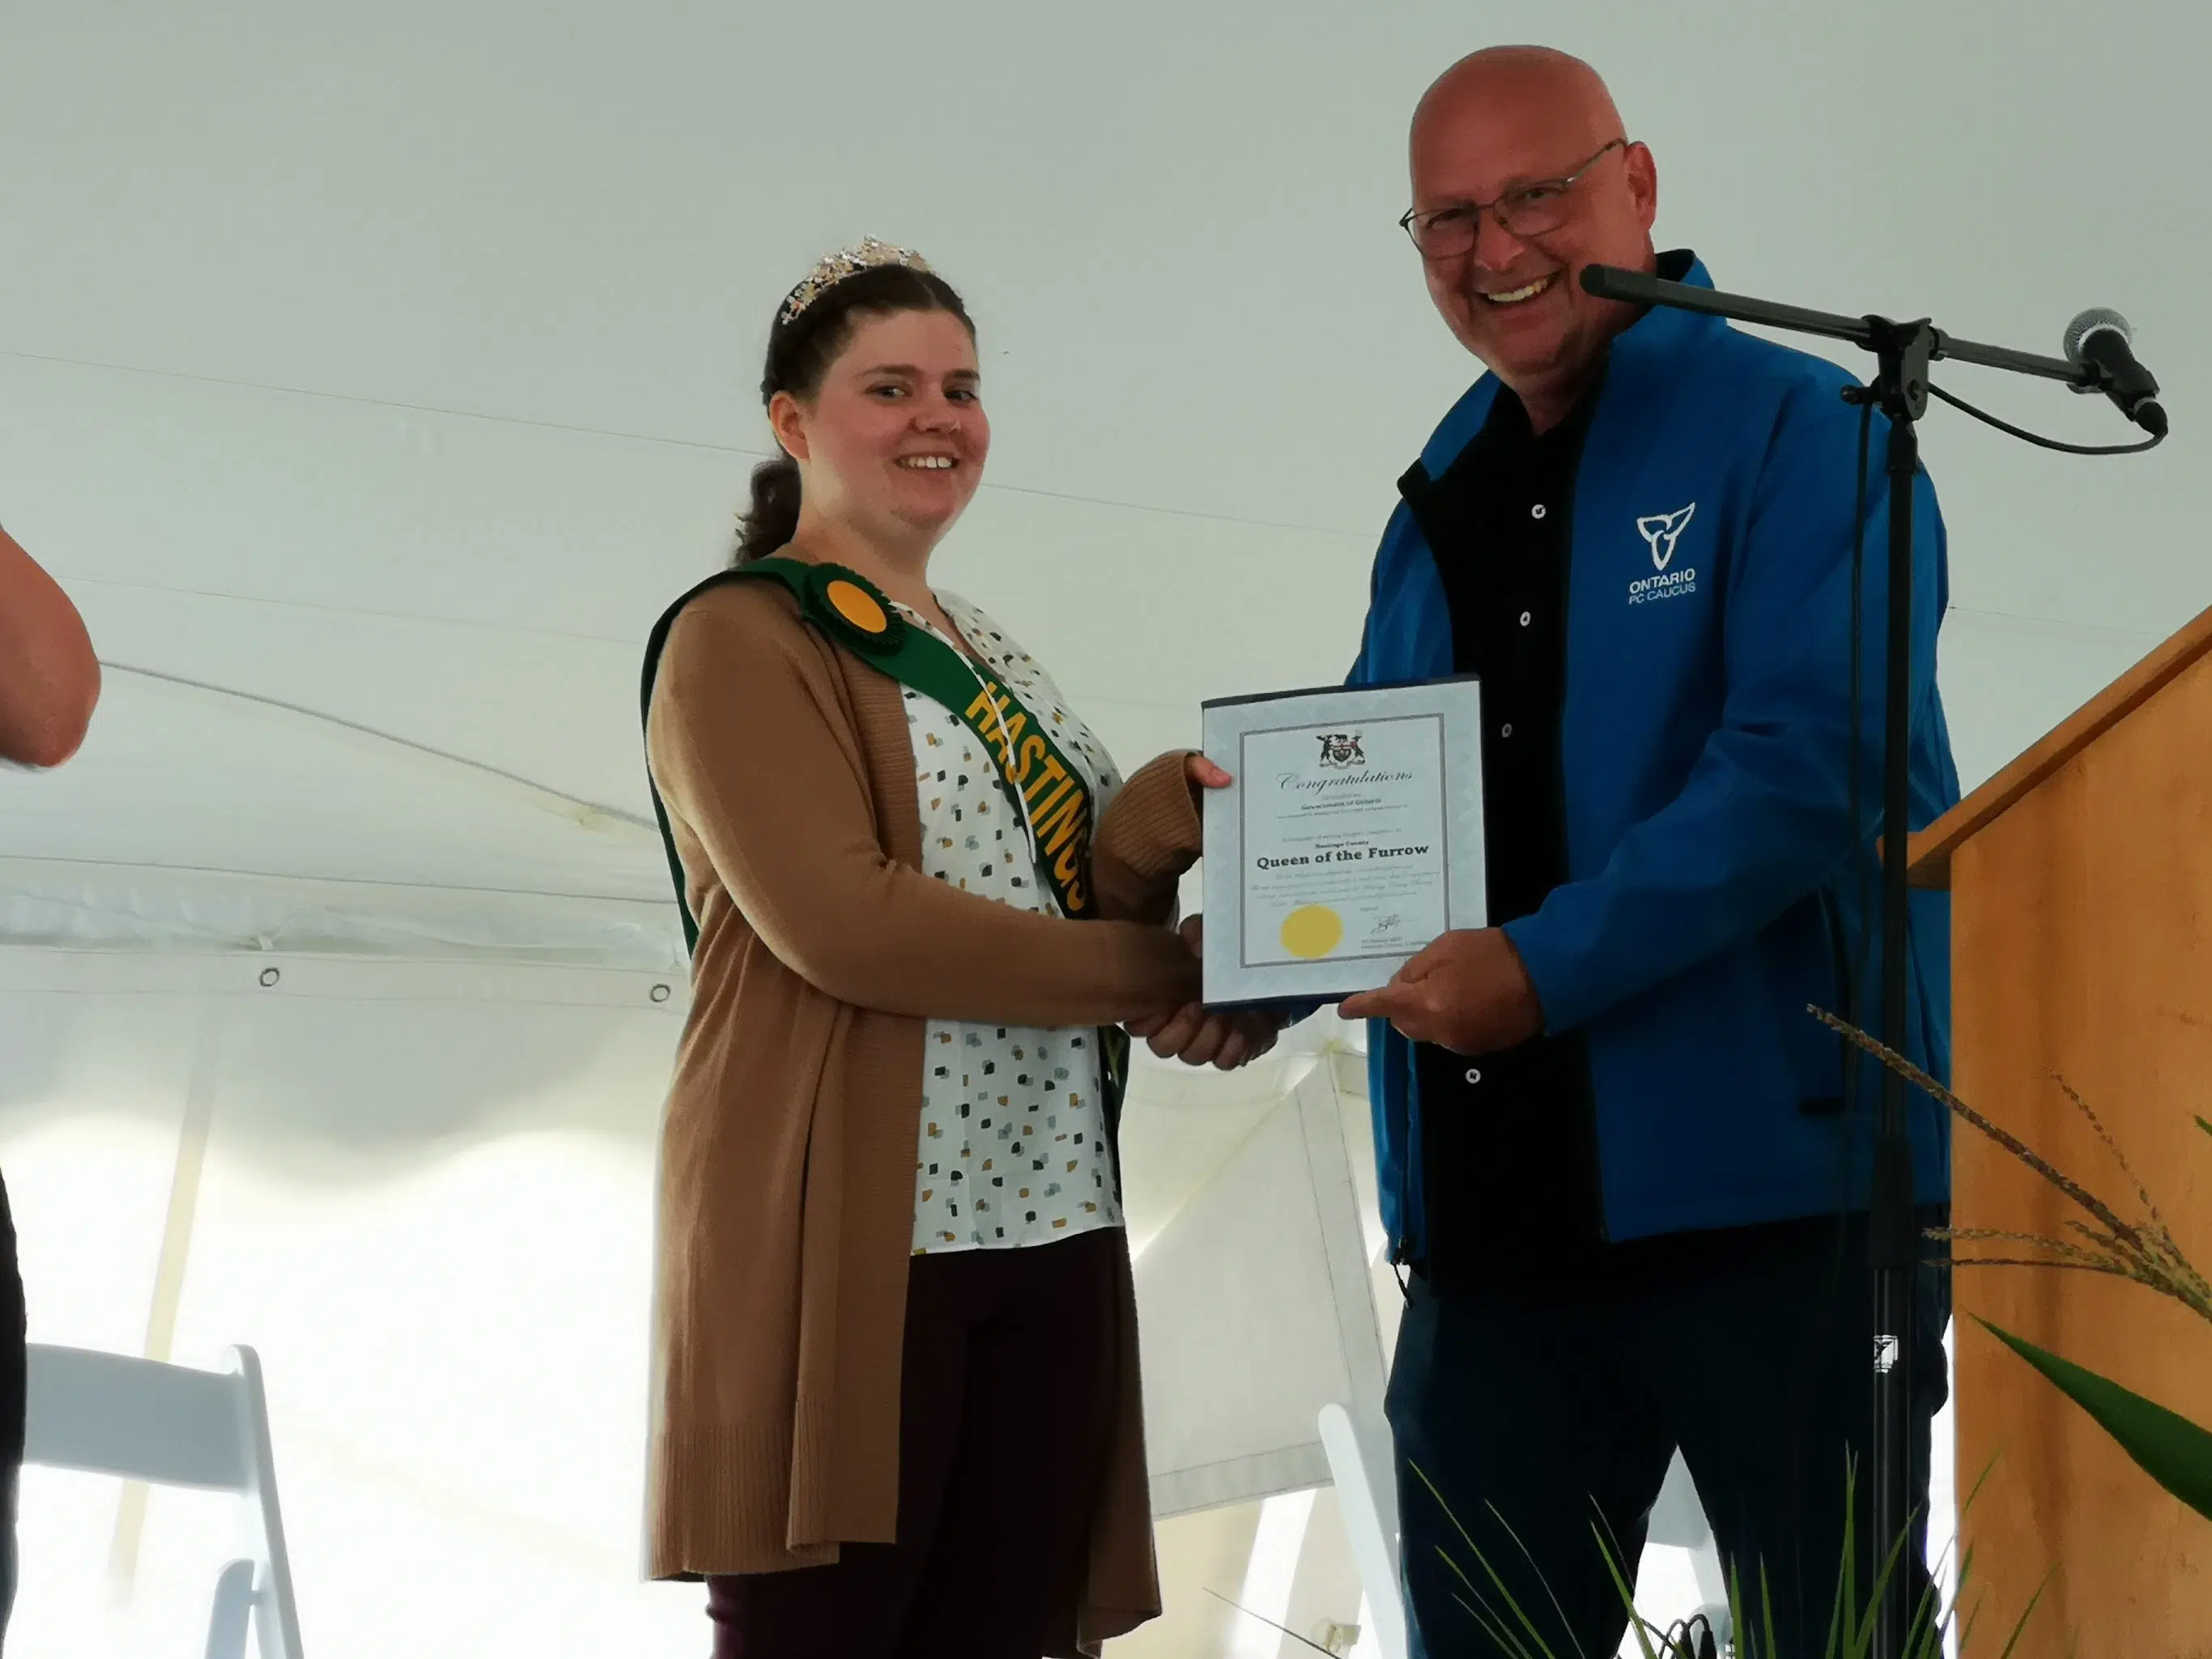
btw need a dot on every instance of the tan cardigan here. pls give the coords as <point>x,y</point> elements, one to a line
<point>786,1177</point>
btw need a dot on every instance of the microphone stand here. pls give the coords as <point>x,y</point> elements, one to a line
<point>1903,352</point>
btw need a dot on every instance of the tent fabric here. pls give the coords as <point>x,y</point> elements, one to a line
<point>371,377</point>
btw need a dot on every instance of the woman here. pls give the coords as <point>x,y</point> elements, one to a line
<point>896,1396</point>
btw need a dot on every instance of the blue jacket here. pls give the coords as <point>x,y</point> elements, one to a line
<point>1715,874</point>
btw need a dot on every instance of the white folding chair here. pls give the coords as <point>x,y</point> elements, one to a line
<point>1679,1519</point>
<point>107,1414</point>
<point>1365,1477</point>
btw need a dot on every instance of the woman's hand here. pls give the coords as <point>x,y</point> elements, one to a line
<point>1190,1034</point>
<point>1223,1040</point>
<point>1204,773</point>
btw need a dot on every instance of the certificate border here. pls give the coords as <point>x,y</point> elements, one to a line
<point>1463,741</point>
<point>1338,691</point>
<point>1435,719</point>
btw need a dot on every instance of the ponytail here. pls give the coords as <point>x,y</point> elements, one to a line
<point>772,520</point>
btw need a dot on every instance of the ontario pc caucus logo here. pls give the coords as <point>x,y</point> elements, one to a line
<point>1663,534</point>
<point>1340,750</point>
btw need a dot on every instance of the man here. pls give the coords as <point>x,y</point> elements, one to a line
<point>1618,1156</point>
<point>49,682</point>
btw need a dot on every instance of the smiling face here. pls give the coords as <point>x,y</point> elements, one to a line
<point>1500,121</point>
<point>892,445</point>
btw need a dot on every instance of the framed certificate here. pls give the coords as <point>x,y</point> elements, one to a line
<point>1350,838</point>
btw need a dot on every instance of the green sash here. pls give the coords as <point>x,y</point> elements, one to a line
<point>1042,788</point>
<point>1045,789</point>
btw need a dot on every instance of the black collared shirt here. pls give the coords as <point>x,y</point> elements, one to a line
<point>1509,1140</point>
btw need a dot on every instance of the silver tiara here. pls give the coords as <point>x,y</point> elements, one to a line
<point>833,268</point>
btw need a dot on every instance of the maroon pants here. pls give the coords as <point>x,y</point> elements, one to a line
<point>1005,1402</point>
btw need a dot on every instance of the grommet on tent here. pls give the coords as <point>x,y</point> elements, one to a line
<point>269,976</point>
<point>660,993</point>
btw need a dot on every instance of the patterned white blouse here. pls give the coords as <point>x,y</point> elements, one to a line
<point>1013,1132</point>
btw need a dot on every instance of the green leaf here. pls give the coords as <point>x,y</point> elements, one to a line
<point>2028,1612</point>
<point>2172,1450</point>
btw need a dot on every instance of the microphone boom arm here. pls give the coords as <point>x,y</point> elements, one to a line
<point>1868,333</point>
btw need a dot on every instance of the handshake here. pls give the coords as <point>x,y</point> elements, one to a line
<point>1467,991</point>
<point>1223,1039</point>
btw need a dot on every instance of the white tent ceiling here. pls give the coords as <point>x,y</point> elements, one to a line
<point>393,362</point>
<point>385,370</point>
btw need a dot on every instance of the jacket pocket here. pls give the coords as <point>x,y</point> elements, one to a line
<point>1810,968</point>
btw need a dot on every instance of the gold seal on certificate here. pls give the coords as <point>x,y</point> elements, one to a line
<point>1350,838</point>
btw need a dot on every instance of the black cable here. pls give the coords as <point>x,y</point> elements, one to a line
<point>1857,964</point>
<point>2023,434</point>
<point>1686,1638</point>
<point>1860,959</point>
<point>1854,968</point>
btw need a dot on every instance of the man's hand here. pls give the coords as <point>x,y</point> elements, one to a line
<point>1467,992</point>
<point>1190,1034</point>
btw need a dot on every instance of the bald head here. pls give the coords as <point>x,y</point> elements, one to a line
<point>1523,174</point>
<point>1564,93</point>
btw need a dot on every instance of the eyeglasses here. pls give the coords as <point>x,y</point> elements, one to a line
<point>1530,210</point>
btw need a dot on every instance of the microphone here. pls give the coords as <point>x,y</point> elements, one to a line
<point>2102,339</point>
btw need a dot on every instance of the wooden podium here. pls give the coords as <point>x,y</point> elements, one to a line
<point>2082,892</point>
